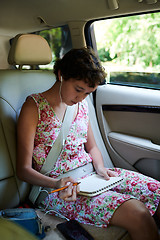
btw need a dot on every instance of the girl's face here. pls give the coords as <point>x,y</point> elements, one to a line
<point>74,91</point>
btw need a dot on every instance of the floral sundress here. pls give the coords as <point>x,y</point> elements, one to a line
<point>96,210</point>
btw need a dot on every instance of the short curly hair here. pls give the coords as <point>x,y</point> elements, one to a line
<point>81,64</point>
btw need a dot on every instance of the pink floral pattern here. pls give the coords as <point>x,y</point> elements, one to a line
<point>89,210</point>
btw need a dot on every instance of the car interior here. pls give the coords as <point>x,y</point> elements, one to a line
<point>124,116</point>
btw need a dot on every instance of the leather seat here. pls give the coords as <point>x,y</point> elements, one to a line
<point>15,86</point>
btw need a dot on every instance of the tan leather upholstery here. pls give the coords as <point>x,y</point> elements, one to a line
<point>15,86</point>
<point>29,49</point>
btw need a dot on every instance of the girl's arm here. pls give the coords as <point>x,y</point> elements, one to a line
<point>98,163</point>
<point>26,130</point>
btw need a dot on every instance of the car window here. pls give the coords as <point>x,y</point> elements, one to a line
<point>129,49</point>
<point>59,40</point>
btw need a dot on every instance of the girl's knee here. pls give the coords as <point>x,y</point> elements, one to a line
<point>131,214</point>
<point>136,219</point>
<point>141,216</point>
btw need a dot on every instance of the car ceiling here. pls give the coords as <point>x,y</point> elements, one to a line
<point>21,16</point>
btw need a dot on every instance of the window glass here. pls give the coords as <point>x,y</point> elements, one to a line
<point>129,48</point>
<point>59,40</point>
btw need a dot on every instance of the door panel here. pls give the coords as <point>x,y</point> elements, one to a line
<point>129,120</point>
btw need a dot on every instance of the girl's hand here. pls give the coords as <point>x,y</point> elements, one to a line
<point>70,193</point>
<point>106,173</point>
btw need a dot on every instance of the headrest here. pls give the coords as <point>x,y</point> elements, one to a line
<point>29,49</point>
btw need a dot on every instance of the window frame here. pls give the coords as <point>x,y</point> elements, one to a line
<point>91,42</point>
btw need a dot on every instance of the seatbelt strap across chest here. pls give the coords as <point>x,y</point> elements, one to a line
<point>59,142</point>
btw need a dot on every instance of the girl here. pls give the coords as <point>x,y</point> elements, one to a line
<point>130,205</point>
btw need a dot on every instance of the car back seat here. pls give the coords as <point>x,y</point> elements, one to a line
<point>15,86</point>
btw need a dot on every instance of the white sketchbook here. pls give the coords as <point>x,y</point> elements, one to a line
<point>94,184</point>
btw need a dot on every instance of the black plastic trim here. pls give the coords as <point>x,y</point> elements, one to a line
<point>129,108</point>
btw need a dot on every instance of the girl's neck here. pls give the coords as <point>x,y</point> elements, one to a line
<point>53,96</point>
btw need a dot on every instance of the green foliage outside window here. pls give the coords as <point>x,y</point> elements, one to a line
<point>53,37</point>
<point>129,48</point>
<point>59,40</point>
<point>132,40</point>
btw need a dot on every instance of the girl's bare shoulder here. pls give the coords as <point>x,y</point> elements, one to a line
<point>29,110</point>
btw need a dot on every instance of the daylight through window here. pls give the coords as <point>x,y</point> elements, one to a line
<point>129,48</point>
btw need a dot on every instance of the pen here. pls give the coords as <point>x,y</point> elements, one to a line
<point>62,188</point>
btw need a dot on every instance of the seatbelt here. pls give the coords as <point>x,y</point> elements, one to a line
<point>55,150</point>
<point>59,142</point>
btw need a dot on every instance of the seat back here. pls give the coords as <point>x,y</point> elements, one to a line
<point>15,86</point>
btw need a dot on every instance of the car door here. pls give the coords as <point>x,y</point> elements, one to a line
<point>128,105</point>
<point>129,120</point>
